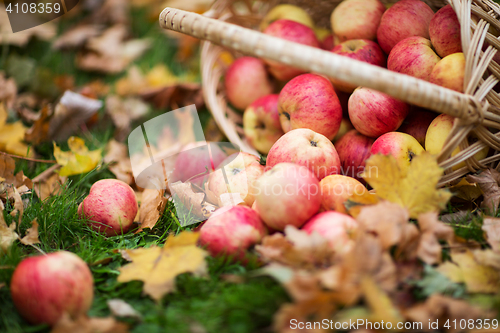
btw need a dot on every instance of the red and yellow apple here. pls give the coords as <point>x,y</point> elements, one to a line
<point>444,32</point>
<point>374,113</point>
<point>287,194</point>
<point>353,149</point>
<point>286,12</point>
<point>449,72</point>
<point>336,189</point>
<point>309,101</point>
<point>306,148</point>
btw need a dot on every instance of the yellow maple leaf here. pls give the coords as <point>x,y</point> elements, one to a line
<point>12,135</point>
<point>414,190</point>
<point>159,266</point>
<point>78,160</point>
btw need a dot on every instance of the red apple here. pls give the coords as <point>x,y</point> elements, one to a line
<point>404,19</point>
<point>413,56</point>
<point>111,207</point>
<point>232,230</point>
<point>353,149</point>
<point>400,145</point>
<point>287,194</point>
<point>307,148</point>
<point>261,123</point>
<point>374,113</point>
<point>357,19</point>
<point>246,80</point>
<point>336,227</point>
<point>362,50</point>
<point>241,171</point>
<point>336,189</point>
<point>309,101</point>
<point>45,287</point>
<point>444,32</point>
<point>294,32</point>
<point>416,123</point>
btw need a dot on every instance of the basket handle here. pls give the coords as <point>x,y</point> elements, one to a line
<point>401,86</point>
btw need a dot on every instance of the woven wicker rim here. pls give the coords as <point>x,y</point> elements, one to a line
<point>477,111</point>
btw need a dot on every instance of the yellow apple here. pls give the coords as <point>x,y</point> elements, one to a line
<point>449,72</point>
<point>436,136</point>
<point>286,12</point>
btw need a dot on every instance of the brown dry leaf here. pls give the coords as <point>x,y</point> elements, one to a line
<point>466,191</point>
<point>118,160</point>
<point>85,324</point>
<point>491,226</point>
<point>39,131</point>
<point>443,308</point>
<point>31,236</point>
<point>382,308</point>
<point>48,183</point>
<point>8,180</point>
<point>191,200</point>
<point>153,203</point>
<point>432,230</point>
<point>18,205</point>
<point>12,135</point>
<point>72,111</point>
<point>296,249</point>
<point>110,53</point>
<point>95,89</point>
<point>415,190</point>
<point>184,93</point>
<point>488,181</point>
<point>76,36</point>
<point>112,12</point>
<point>158,267</point>
<point>8,90</point>
<point>7,233</point>
<point>478,278</point>
<point>123,112</point>
<point>44,31</point>
<point>120,308</point>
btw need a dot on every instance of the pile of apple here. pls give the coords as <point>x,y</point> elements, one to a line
<point>318,132</point>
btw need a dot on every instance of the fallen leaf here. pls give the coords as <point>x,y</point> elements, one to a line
<point>85,324</point>
<point>76,36</point>
<point>123,112</point>
<point>7,233</point>
<point>18,205</point>
<point>429,249</point>
<point>415,190</point>
<point>120,308</point>
<point>78,160</point>
<point>8,90</point>
<point>192,201</point>
<point>184,93</point>
<point>158,267</point>
<point>153,203</point>
<point>48,183</point>
<point>382,308</point>
<point>488,181</point>
<point>39,131</point>
<point>9,181</point>
<point>118,160</point>
<point>72,111</point>
<point>31,236</point>
<point>111,12</point>
<point>11,135</point>
<point>466,269</point>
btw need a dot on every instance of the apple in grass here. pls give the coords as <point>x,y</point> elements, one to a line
<point>306,148</point>
<point>293,32</point>
<point>406,18</point>
<point>400,145</point>
<point>287,194</point>
<point>413,56</point>
<point>261,123</point>
<point>286,12</point>
<point>45,287</point>
<point>357,19</point>
<point>240,172</point>
<point>449,72</point>
<point>336,189</point>
<point>309,101</point>
<point>354,149</point>
<point>417,122</point>
<point>437,134</point>
<point>362,50</point>
<point>110,207</point>
<point>444,32</point>
<point>374,113</point>
<point>232,230</point>
<point>246,80</point>
<point>336,227</point>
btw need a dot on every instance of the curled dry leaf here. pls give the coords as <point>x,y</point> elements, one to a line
<point>72,111</point>
<point>39,131</point>
<point>491,226</point>
<point>415,190</point>
<point>158,267</point>
<point>188,198</point>
<point>48,183</point>
<point>119,162</point>
<point>18,205</point>
<point>31,236</point>
<point>488,181</point>
<point>120,308</point>
<point>123,112</point>
<point>78,160</point>
<point>8,90</point>
<point>153,203</point>
<point>9,181</point>
<point>432,230</point>
<point>84,324</point>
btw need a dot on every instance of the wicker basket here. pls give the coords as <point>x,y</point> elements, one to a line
<point>477,111</point>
